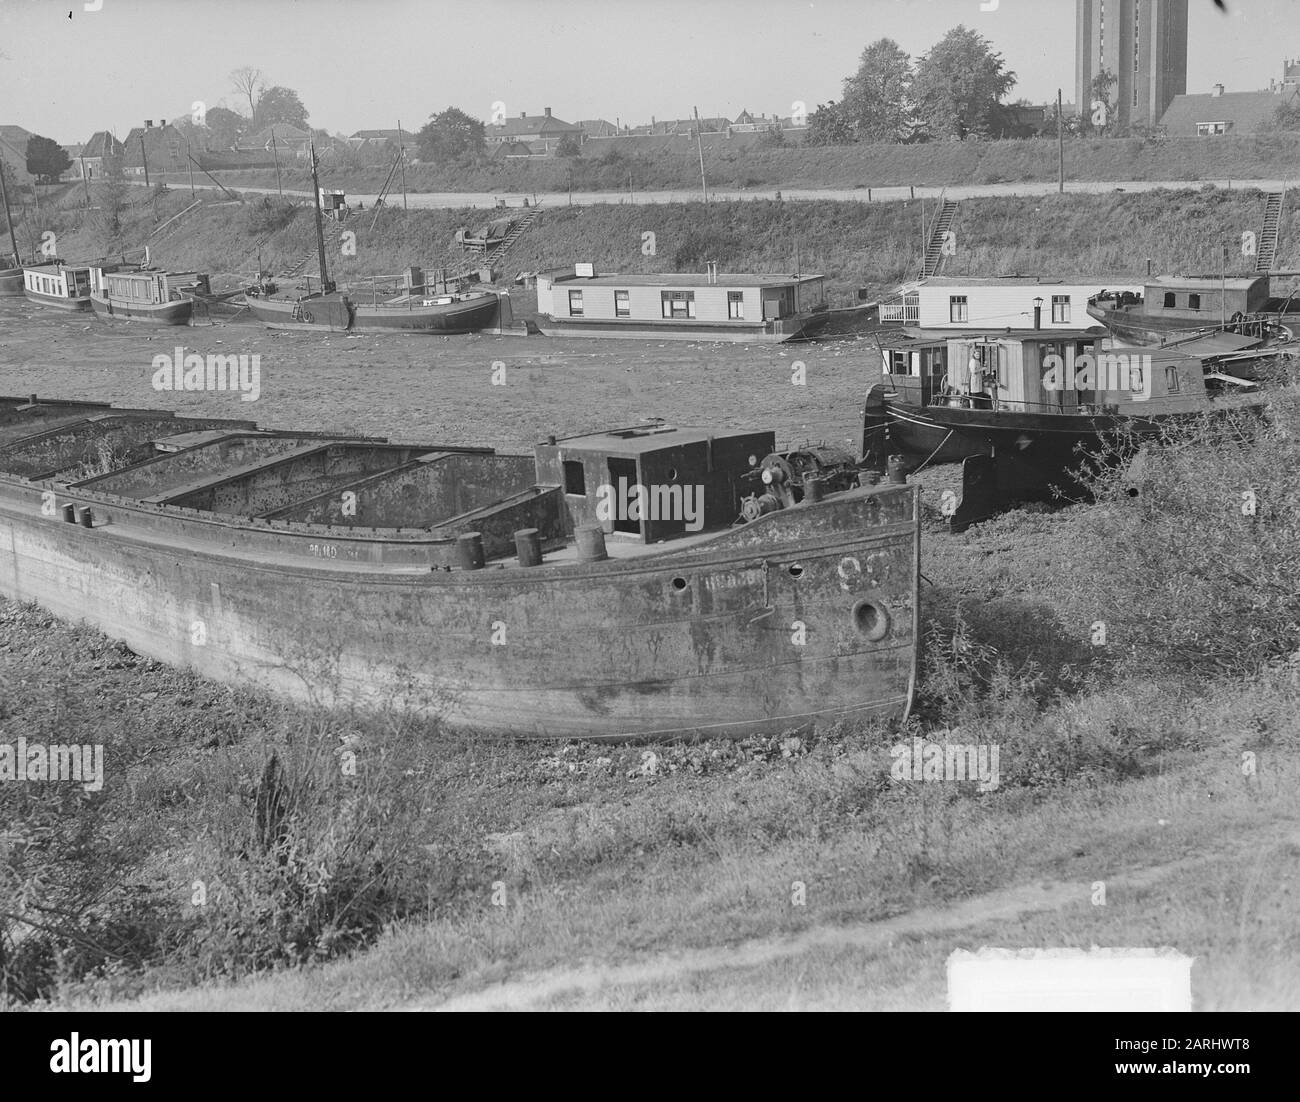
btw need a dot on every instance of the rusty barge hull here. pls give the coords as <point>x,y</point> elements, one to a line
<point>229,552</point>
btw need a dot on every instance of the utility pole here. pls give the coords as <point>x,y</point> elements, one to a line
<point>699,146</point>
<point>190,158</point>
<point>1060,145</point>
<point>144,160</point>
<point>85,182</point>
<point>275,152</point>
<point>401,156</point>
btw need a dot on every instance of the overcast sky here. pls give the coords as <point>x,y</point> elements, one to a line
<point>366,63</point>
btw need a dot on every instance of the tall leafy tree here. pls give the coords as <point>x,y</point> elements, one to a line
<point>1099,111</point>
<point>279,104</point>
<point>877,98</point>
<point>46,159</point>
<point>959,86</point>
<point>225,127</point>
<point>828,125</point>
<point>451,133</point>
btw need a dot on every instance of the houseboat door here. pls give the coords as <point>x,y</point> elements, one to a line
<point>622,479</point>
<point>81,284</point>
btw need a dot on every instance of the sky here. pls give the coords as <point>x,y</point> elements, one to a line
<point>66,72</point>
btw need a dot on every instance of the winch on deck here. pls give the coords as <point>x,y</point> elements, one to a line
<point>790,477</point>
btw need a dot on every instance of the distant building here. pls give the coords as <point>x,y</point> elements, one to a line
<point>999,302</point>
<point>1214,113</point>
<point>161,148</point>
<point>282,137</point>
<point>598,128</point>
<point>531,129</point>
<point>91,160</point>
<point>1143,43</point>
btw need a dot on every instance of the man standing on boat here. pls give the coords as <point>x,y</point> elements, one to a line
<point>975,369</point>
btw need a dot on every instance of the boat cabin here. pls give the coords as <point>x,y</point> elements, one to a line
<point>65,283</point>
<point>150,287</point>
<point>1203,300</point>
<point>653,482</point>
<point>691,306</point>
<point>987,302</point>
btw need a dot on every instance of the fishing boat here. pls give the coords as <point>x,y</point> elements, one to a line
<point>1020,410</point>
<point>147,294</point>
<point>417,308</point>
<point>644,582</point>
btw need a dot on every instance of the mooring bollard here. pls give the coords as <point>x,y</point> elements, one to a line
<point>591,543</point>
<point>469,551</point>
<point>895,471</point>
<point>70,513</point>
<point>813,489</point>
<point>87,518</point>
<point>528,546</point>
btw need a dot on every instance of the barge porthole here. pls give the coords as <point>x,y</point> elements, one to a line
<point>795,570</point>
<point>871,620</point>
<point>679,584</point>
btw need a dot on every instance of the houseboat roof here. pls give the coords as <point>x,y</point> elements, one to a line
<point>950,333</point>
<point>642,439</point>
<point>690,279</point>
<point>1206,282</point>
<point>1029,281</point>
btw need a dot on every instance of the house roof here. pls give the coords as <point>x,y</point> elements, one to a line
<point>101,144</point>
<point>691,279</point>
<point>528,125</point>
<point>380,134</point>
<point>600,128</point>
<point>1027,281</point>
<point>1245,112</point>
<point>1206,282</point>
<point>283,132</point>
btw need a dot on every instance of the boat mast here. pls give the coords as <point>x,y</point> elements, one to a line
<point>9,218</point>
<point>325,284</point>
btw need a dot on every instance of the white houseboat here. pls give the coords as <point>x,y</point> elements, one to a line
<point>63,286</point>
<point>980,304</point>
<point>681,306</point>
<point>150,294</point>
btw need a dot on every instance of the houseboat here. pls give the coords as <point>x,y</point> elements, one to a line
<point>634,583</point>
<point>1021,408</point>
<point>63,286</point>
<point>1174,308</point>
<point>11,278</point>
<point>146,294</point>
<point>691,307</point>
<point>980,304</point>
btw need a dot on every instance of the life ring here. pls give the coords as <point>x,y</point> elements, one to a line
<point>307,316</point>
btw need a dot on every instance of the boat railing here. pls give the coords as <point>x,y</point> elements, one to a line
<point>903,312</point>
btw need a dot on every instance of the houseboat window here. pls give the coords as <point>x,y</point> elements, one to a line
<point>575,304</point>
<point>957,308</point>
<point>1207,129</point>
<point>1171,300</point>
<point>1193,302</point>
<point>622,304</point>
<point>1004,373</point>
<point>736,305</point>
<point>678,304</point>
<point>575,480</point>
<point>1061,309</point>
<point>1172,382</point>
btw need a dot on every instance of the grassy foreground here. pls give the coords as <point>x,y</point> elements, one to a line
<point>248,854</point>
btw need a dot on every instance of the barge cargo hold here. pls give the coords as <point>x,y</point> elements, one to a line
<point>501,594</point>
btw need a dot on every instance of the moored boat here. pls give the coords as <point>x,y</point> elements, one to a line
<point>63,286</point>
<point>605,587</point>
<point>147,294</point>
<point>1177,308</point>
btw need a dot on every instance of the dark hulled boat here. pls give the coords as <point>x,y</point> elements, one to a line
<point>603,587</point>
<point>147,294</point>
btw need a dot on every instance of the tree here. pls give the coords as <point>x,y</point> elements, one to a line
<point>1287,116</point>
<point>568,147</point>
<point>451,133</point>
<point>877,98</point>
<point>828,125</point>
<point>225,127</point>
<point>111,198</point>
<point>248,83</point>
<point>1099,111</point>
<point>959,86</point>
<point>279,104</point>
<point>46,159</point>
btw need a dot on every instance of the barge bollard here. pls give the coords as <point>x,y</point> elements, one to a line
<point>896,471</point>
<point>813,489</point>
<point>528,546</point>
<point>70,513</point>
<point>591,543</point>
<point>469,551</point>
<point>87,518</point>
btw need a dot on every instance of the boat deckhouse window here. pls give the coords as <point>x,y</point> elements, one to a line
<point>575,479</point>
<point>1193,302</point>
<point>1172,383</point>
<point>1171,300</point>
<point>736,305</point>
<point>678,304</point>
<point>1206,129</point>
<point>1061,309</point>
<point>575,304</point>
<point>622,304</point>
<point>957,308</point>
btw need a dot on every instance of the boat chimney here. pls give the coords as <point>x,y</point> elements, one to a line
<point>591,543</point>
<point>1218,90</point>
<point>548,111</point>
<point>469,551</point>
<point>528,547</point>
<point>896,469</point>
<point>148,124</point>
